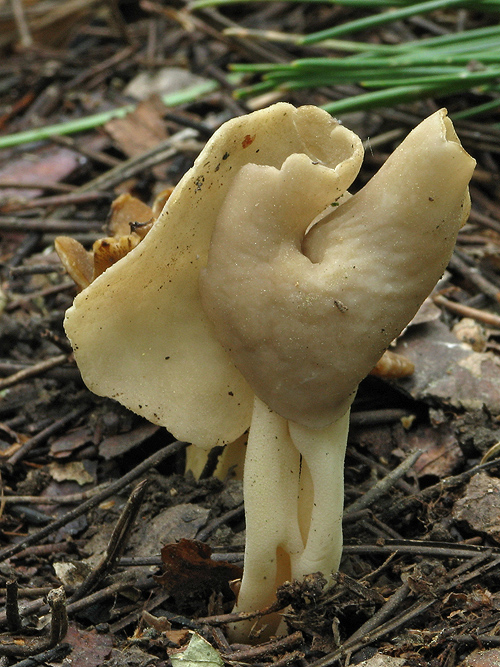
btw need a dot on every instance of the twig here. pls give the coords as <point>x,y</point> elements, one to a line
<point>45,433</point>
<point>237,616</point>
<point>374,417</point>
<point>12,606</point>
<point>140,613</point>
<point>401,619</point>
<point>59,200</point>
<point>30,592</point>
<point>117,542</point>
<point>419,547</point>
<point>267,649</point>
<point>41,294</point>
<point>36,269</point>
<point>62,343</point>
<point>205,532</point>
<point>12,224</point>
<point>95,156</point>
<point>59,619</point>
<point>56,654</point>
<point>105,593</point>
<point>384,484</point>
<point>405,505</point>
<point>161,152</point>
<point>137,561</point>
<point>36,185</point>
<point>103,66</point>
<point>489,319</point>
<point>32,371</point>
<point>22,24</point>
<point>25,248</point>
<point>70,499</point>
<point>152,461</point>
<point>58,628</point>
<point>46,549</point>
<point>381,615</point>
<point>40,607</point>
<point>473,275</point>
<point>477,640</point>
<point>382,469</point>
<point>288,659</point>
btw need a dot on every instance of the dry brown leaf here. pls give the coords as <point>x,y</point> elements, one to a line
<point>76,260</point>
<point>109,250</point>
<point>188,569</point>
<point>127,210</point>
<point>392,365</point>
<point>141,129</point>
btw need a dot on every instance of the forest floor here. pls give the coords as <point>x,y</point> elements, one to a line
<point>96,500</point>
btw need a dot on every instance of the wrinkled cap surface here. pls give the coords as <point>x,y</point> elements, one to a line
<point>139,331</point>
<point>306,313</point>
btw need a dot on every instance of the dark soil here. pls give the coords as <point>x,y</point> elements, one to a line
<point>419,581</point>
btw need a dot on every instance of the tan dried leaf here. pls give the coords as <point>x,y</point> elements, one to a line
<point>109,250</point>
<point>76,260</point>
<point>127,210</point>
<point>392,365</point>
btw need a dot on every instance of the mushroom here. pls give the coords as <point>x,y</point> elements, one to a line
<point>261,297</point>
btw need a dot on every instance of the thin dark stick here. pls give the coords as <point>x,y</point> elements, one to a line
<point>419,548</point>
<point>96,156</point>
<point>36,269</point>
<point>117,542</point>
<point>374,417</point>
<point>60,200</point>
<point>237,616</point>
<point>267,649</point>
<point>161,152</point>
<point>45,434</point>
<point>12,606</point>
<point>22,301</point>
<point>25,248</point>
<point>144,585</point>
<point>36,185</point>
<point>382,469</point>
<point>141,613</point>
<point>152,461</point>
<point>289,658</point>
<point>205,533</point>
<point>56,654</point>
<point>384,484</point>
<point>70,499</point>
<point>393,624</point>
<point>58,629</point>
<point>59,618</point>
<point>401,507</point>
<point>29,592</point>
<point>31,371</point>
<point>13,224</point>
<point>473,275</point>
<point>381,615</point>
<point>477,640</point>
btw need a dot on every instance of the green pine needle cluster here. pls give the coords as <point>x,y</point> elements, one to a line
<point>389,74</point>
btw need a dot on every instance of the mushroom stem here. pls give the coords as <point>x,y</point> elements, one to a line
<point>271,480</point>
<point>275,549</point>
<point>323,451</point>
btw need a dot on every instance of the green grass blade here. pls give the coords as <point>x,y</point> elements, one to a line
<point>384,17</point>
<point>96,120</point>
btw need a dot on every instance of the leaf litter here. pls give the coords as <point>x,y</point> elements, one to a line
<point>418,583</point>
